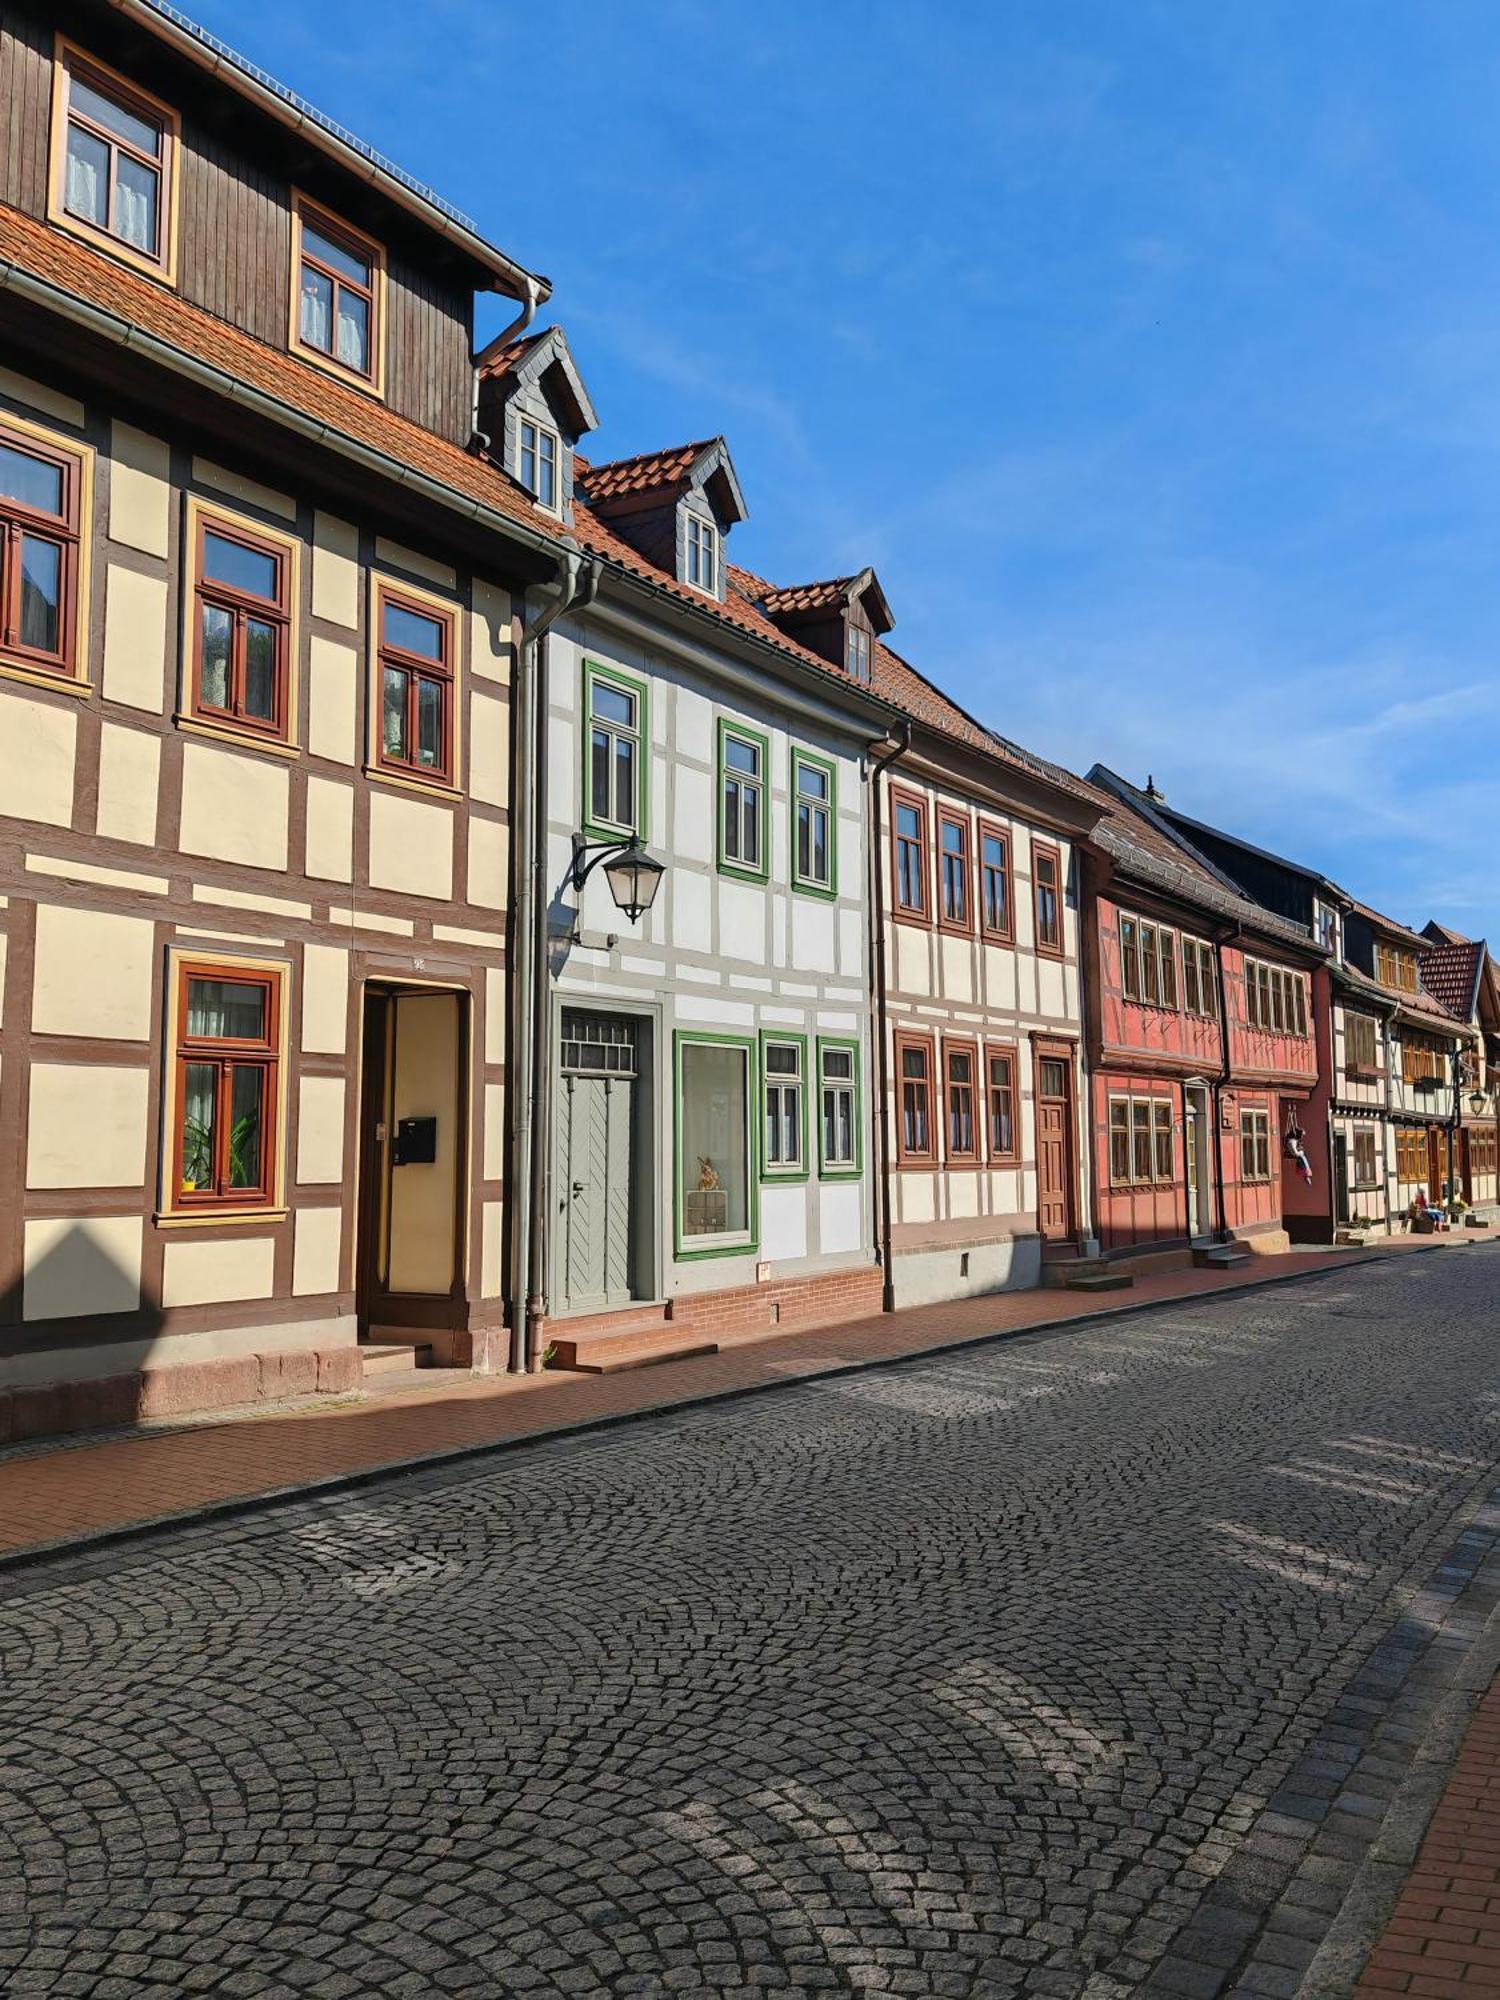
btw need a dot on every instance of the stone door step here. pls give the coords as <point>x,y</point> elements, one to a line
<point>611,1353</point>
<point>1099,1281</point>
<point>1223,1257</point>
<point>386,1355</point>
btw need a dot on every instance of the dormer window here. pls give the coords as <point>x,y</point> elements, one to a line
<point>114,162</point>
<point>337,295</point>
<point>538,463</point>
<point>703,555</point>
<point>859,653</point>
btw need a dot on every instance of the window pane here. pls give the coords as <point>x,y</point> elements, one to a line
<point>335,256</point>
<point>41,594</point>
<point>413,633</point>
<point>820,845</point>
<point>30,480</point>
<point>315,319</point>
<point>354,331</point>
<point>199,1114</point>
<point>242,568</point>
<point>714,1130</point>
<point>260,670</point>
<point>750,825</point>
<point>733,821</point>
<point>740,756</point>
<point>86,188</point>
<point>599,748</point>
<point>811,782</point>
<point>547,489</point>
<point>226,1010</point>
<point>838,1063</point>
<point>93,104</point>
<point>624,812</point>
<point>612,704</point>
<point>393,736</point>
<point>246,1123</point>
<point>429,724</point>
<point>137,196</point>
<point>218,635</point>
<point>804,842</point>
<point>783,1058</point>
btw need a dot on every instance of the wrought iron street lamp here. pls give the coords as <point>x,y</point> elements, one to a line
<point>634,876</point>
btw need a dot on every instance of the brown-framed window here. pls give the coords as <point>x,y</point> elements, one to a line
<point>1396,968</point>
<point>1361,1045</point>
<point>338,286</point>
<point>909,852</point>
<point>1421,1059</point>
<point>996,911</point>
<point>226,1052</point>
<point>914,1071</point>
<point>1412,1158</point>
<point>1001,1103</point>
<point>961,1101</point>
<point>1119,1141</point>
<point>241,660</point>
<point>1275,998</point>
<point>954,912</point>
<point>1365,1172</point>
<point>1046,865</point>
<point>41,503</point>
<point>114,162</point>
<point>414,661</point>
<point>1141,1142</point>
<point>1255,1145</point>
<point>1130,957</point>
<point>1199,993</point>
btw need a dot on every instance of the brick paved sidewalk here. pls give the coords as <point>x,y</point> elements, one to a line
<point>81,1488</point>
<point>1443,1937</point>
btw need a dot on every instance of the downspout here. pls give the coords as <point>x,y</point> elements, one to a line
<point>577,585</point>
<point>523,319</point>
<point>880,1130</point>
<point>1225,1071</point>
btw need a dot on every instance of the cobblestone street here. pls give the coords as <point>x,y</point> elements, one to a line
<point>1084,1664</point>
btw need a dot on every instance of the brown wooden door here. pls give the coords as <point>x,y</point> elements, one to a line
<point>1054,1147</point>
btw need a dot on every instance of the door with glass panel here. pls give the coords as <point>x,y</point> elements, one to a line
<point>594,1176</point>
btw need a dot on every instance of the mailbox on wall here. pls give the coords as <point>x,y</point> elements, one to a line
<point>416,1142</point>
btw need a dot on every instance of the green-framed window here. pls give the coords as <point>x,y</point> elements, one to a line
<point>616,752</point>
<point>815,815</point>
<point>783,1091</point>
<point>716,1210</point>
<point>841,1143</point>
<point>744,812</point>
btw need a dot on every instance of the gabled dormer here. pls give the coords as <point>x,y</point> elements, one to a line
<point>533,408</point>
<point>841,618</point>
<point>674,507</point>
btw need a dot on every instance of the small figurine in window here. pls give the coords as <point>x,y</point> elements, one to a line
<point>708,1175</point>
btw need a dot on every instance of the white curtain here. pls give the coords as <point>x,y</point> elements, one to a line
<point>317,306</point>
<point>85,187</point>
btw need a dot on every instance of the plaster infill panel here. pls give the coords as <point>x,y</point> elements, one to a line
<point>86,1126</point>
<point>81,1264</point>
<point>92,974</point>
<point>411,846</point>
<point>129,784</point>
<point>37,755</point>
<point>201,1274</point>
<point>234,808</point>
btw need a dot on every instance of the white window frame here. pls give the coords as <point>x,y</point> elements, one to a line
<point>702,556</point>
<point>540,434</point>
<point>858,654</point>
<point>783,1095</point>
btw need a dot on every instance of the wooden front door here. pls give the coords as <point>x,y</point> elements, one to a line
<point>1054,1146</point>
<point>594,1169</point>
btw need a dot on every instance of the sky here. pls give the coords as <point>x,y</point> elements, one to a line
<point>1150,352</point>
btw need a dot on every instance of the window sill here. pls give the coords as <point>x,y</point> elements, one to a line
<point>825,893</point>
<point>45,677</point>
<point>241,739</point>
<point>350,377</point>
<point>746,1246</point>
<point>227,1218</point>
<point>112,247</point>
<point>427,788</point>
<point>999,938</point>
<point>784,1176</point>
<point>733,870</point>
<point>841,1173</point>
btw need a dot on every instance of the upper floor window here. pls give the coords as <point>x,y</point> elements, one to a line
<point>614,767</point>
<point>1275,998</point>
<point>1396,968</point>
<point>240,661</point>
<point>703,555</point>
<point>953,872</point>
<point>1326,925</point>
<point>859,653</point>
<point>1422,1060</point>
<point>1148,962</point>
<point>742,801</point>
<point>813,834</point>
<point>415,662</point>
<point>1361,1045</point>
<point>538,456</point>
<point>994,884</point>
<point>1199,991</point>
<point>114,151</point>
<point>337,294</point>
<point>909,831</point>
<point>1047,869</point>
<point>43,491</point>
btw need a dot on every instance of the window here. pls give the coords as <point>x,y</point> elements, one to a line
<point>537,455</point>
<point>1141,1142</point>
<point>114,152</point>
<point>44,500</point>
<point>909,832</point>
<point>1199,990</point>
<point>953,872</point>
<point>859,653</point>
<point>1275,998</point>
<point>1421,1059</point>
<point>1326,926</point>
<point>1047,871</point>
<point>742,801</point>
<point>1361,1045</point>
<point>1412,1157</point>
<point>615,761</point>
<point>1396,968</point>
<point>1365,1171</point>
<point>1484,1153</point>
<point>337,294</point>
<point>414,658</point>
<point>994,884</point>
<point>1140,1138</point>
<point>227,1055</point>
<point>1255,1145</point>
<point>1130,957</point>
<point>784,1148</point>
<point>960,1063</point>
<point>840,1143</point>
<point>1119,1141</point>
<point>1004,1118</point>
<point>715,1197</point>
<point>703,555</point>
<point>239,649</point>
<point>814,802</point>
<point>1161,1138</point>
<point>914,1064</point>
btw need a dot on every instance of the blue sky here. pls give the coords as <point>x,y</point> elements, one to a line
<point>1150,352</point>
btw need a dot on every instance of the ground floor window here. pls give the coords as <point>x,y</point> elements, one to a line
<point>227,1072</point>
<point>1001,1086</point>
<point>784,1148</point>
<point>1255,1145</point>
<point>1140,1142</point>
<point>1366,1173</point>
<point>914,1063</point>
<point>713,1141</point>
<point>1483,1153</point>
<point>1412,1157</point>
<point>838,1097</point>
<point>959,1063</point>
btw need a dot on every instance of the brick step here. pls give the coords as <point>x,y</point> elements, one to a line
<point>384,1354</point>
<point>610,1354</point>
<point>650,1316</point>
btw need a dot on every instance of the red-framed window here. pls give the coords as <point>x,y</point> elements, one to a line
<point>227,1056</point>
<point>909,855</point>
<point>963,1103</point>
<point>241,661</point>
<point>955,872</point>
<point>414,665</point>
<point>41,502</point>
<point>916,1136</point>
<point>996,907</point>
<point>1047,887</point>
<point>1002,1102</point>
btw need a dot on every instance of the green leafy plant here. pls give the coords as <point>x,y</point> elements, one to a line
<point>198,1152</point>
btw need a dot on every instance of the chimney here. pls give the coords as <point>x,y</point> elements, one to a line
<point>1157,798</point>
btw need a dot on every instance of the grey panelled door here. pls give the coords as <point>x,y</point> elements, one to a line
<point>595,1125</point>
